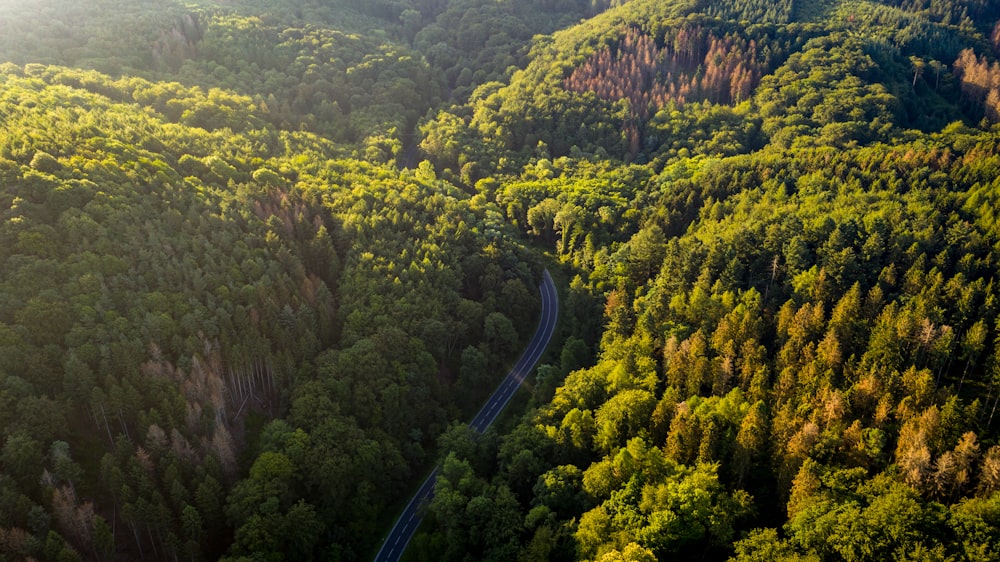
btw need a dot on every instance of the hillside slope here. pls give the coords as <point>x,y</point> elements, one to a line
<point>239,316</point>
<point>785,212</point>
<point>219,335</point>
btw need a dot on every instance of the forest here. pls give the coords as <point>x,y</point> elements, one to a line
<point>262,261</point>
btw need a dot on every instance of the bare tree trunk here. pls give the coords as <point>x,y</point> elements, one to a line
<point>138,542</point>
<point>121,420</point>
<point>152,541</point>
<point>107,427</point>
<point>270,377</point>
<point>238,412</point>
<point>241,379</point>
<point>989,394</point>
<point>968,365</point>
<point>260,374</point>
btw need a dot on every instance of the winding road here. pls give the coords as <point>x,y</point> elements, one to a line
<point>406,526</point>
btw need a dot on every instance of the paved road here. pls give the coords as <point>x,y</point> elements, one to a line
<point>405,527</point>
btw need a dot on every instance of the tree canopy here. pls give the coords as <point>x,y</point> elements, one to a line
<point>261,260</point>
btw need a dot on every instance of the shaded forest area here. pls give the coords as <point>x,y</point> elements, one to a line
<point>259,261</point>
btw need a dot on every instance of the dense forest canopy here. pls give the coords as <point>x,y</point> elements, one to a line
<point>260,262</point>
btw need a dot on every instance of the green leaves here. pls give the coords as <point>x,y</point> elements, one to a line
<point>665,507</point>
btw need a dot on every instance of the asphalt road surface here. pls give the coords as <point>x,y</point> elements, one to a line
<point>405,527</point>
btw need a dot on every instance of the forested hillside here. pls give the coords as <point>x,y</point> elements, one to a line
<point>786,213</point>
<point>222,334</point>
<point>261,260</point>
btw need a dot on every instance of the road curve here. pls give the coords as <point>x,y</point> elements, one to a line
<point>406,526</point>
